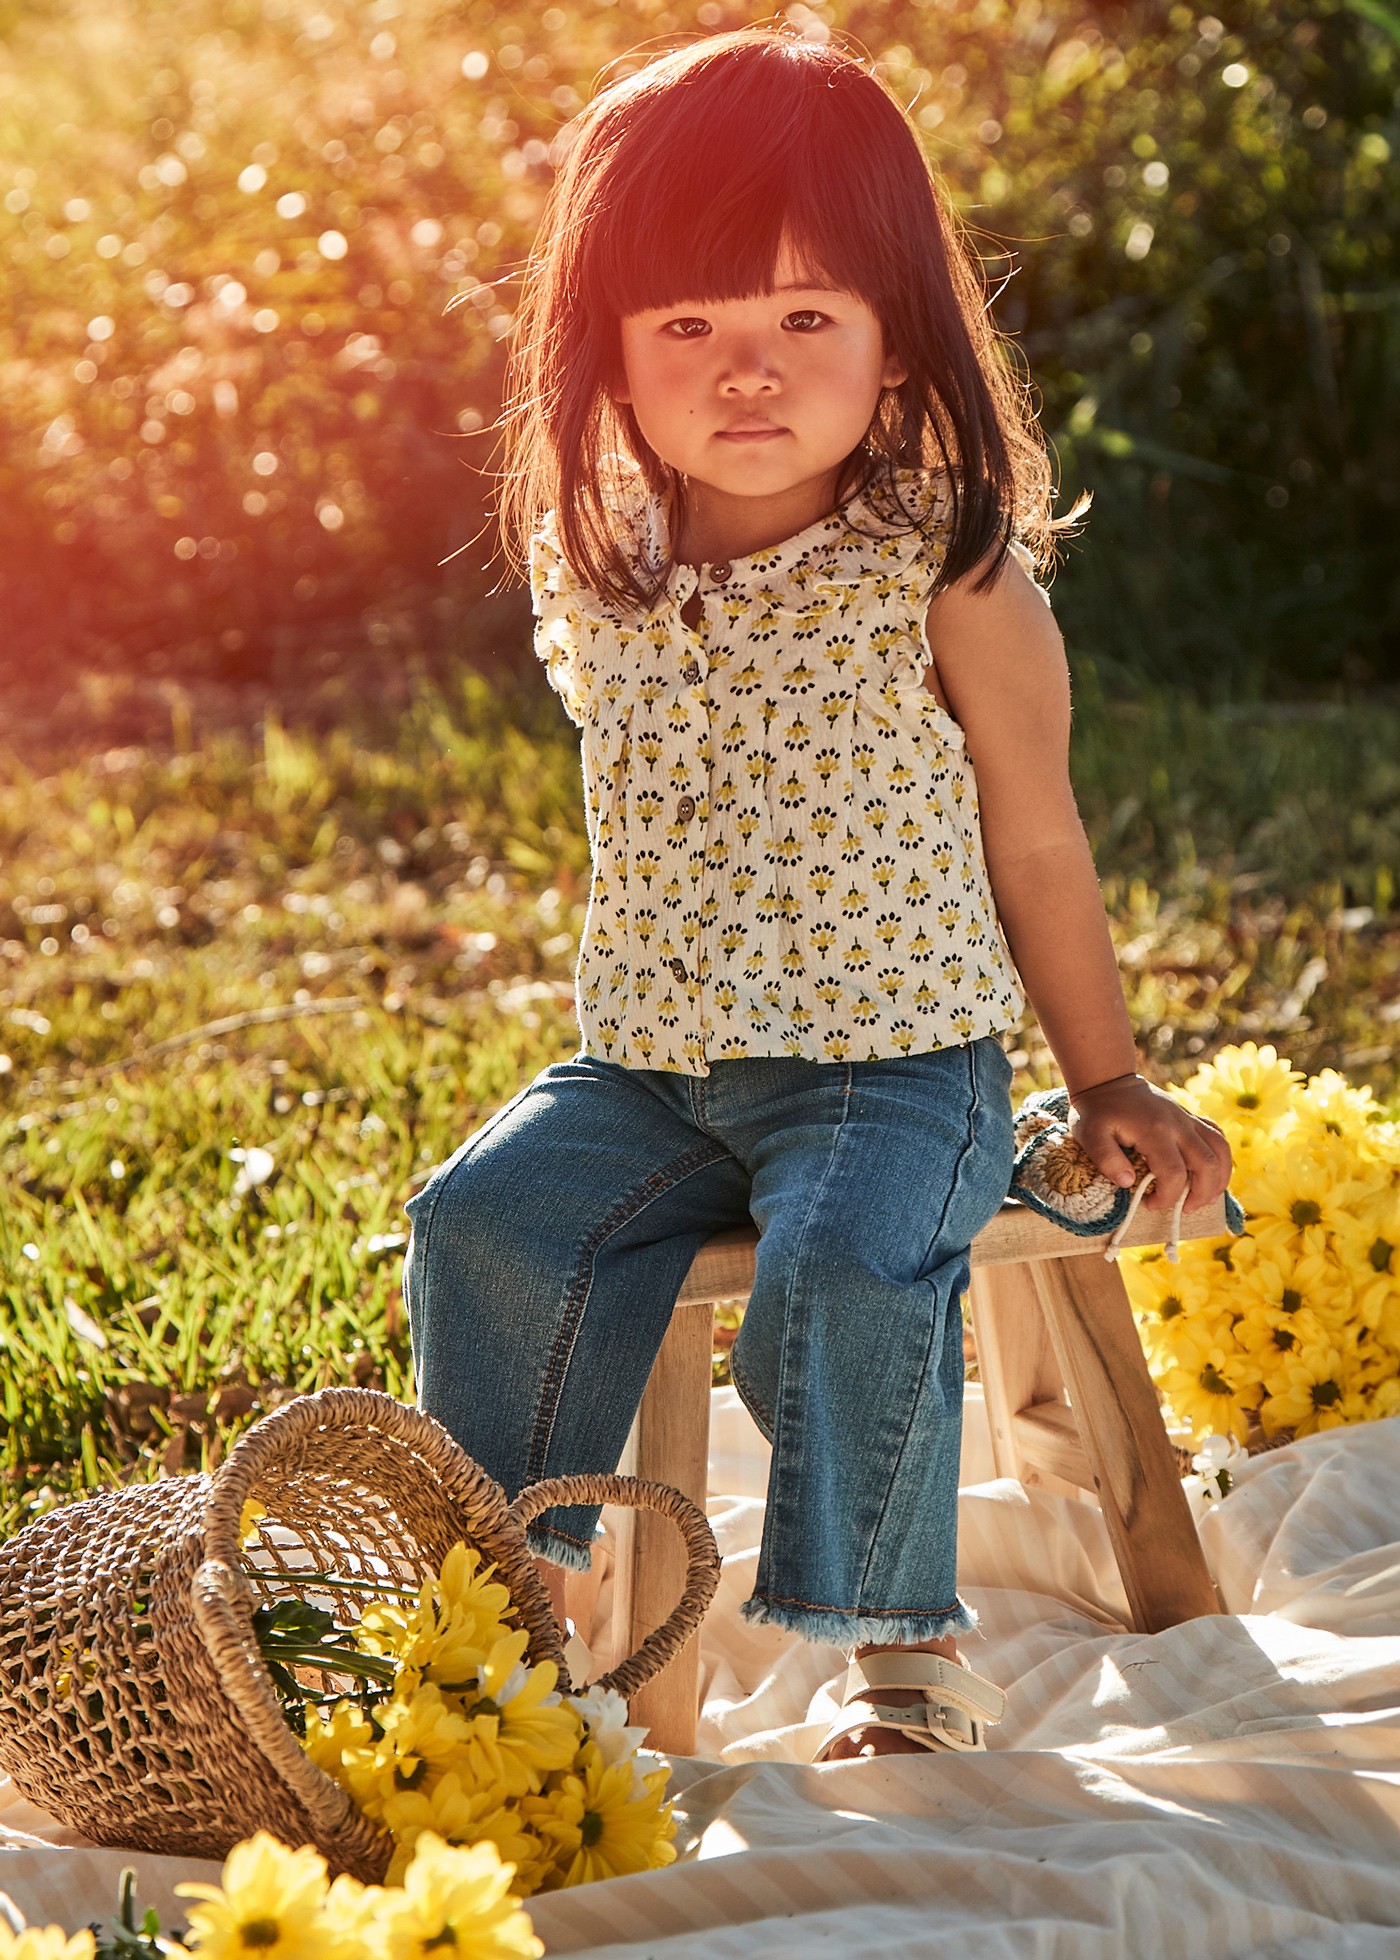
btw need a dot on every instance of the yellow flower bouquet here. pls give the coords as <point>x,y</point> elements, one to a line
<point>454,1735</point>
<point>1294,1326</point>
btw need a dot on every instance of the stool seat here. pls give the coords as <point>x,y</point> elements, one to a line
<point>1070,1403</point>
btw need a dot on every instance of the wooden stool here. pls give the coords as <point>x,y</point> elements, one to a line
<point>1071,1405</point>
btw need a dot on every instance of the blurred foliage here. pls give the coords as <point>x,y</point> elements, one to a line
<point>251,989</point>
<point>261,259</point>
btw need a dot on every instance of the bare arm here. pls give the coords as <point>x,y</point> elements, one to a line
<point>999,667</point>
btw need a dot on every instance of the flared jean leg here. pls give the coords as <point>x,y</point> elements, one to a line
<point>868,1191</point>
<point>546,1257</point>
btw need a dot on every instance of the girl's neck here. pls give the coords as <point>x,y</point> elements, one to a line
<point>716,527</point>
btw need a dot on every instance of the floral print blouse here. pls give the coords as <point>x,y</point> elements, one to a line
<point>783,820</point>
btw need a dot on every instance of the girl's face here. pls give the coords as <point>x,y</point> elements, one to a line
<point>758,402</point>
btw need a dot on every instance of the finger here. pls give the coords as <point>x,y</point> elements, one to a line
<point>1171,1179</point>
<point>1106,1151</point>
<point>1210,1174</point>
<point>1210,1145</point>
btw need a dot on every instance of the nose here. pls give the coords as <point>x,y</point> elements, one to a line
<point>752,368</point>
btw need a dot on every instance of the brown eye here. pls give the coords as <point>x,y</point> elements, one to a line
<point>687,328</point>
<point>805,320</point>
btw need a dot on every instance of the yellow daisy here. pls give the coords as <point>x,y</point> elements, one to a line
<point>1328,1103</point>
<point>1272,1341</point>
<point>1244,1085</point>
<point>270,1906</point>
<point>1312,1395</point>
<point>342,1743</point>
<point>1295,1205</point>
<point>454,1623</point>
<point>456,1900</point>
<point>1377,1202</point>
<point>353,1909</point>
<point>44,1943</point>
<point>1168,1300</point>
<point>418,1732</point>
<point>1210,1386</point>
<point>459,1814</point>
<point>1368,1361</point>
<point>1370,1245</point>
<point>1379,1146</point>
<point>519,1729</point>
<point>86,1666</point>
<point>605,1819</point>
<point>1285,1285</point>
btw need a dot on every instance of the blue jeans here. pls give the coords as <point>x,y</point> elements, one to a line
<point>548,1252</point>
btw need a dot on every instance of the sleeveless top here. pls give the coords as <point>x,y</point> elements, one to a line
<point>786,853</point>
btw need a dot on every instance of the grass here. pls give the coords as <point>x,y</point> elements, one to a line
<point>336,953</point>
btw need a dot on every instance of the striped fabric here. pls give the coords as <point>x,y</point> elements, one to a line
<point>1230,1787</point>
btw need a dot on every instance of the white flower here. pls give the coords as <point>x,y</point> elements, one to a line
<point>1215,1452</point>
<point>1213,1478</point>
<point>605,1714</point>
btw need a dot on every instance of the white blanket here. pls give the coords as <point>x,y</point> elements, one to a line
<point>1228,1787</point>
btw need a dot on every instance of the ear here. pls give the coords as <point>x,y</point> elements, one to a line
<point>895,373</point>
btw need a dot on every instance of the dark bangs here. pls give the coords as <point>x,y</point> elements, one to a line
<point>709,186</point>
<point>684,182</point>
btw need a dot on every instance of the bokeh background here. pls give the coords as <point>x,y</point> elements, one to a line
<point>262,260</point>
<point>292,863</point>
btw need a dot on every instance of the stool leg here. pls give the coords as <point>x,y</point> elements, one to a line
<point>1017,1364</point>
<point>1120,1425</point>
<point>670,1444</point>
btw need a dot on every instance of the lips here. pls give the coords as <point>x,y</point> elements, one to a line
<point>751,432</point>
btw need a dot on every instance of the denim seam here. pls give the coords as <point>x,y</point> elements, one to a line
<point>576,1300</point>
<point>898,1458</point>
<point>573,1537</point>
<point>422,1228</point>
<point>763,1417</point>
<point>838,1130</point>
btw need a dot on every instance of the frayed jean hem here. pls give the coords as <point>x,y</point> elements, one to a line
<point>832,1626</point>
<point>558,1550</point>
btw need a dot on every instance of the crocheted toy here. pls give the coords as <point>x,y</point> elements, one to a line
<point>1054,1175</point>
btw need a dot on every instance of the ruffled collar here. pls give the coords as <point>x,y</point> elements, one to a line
<point>871,535</point>
<point>848,544</point>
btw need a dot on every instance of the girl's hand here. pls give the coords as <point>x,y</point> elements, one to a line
<point>1180,1149</point>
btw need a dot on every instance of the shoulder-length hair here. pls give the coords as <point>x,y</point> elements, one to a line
<point>683,182</point>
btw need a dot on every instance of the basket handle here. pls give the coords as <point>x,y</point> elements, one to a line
<point>219,1596</point>
<point>484,1518</point>
<point>702,1567</point>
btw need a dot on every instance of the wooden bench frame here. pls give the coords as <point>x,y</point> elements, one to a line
<point>1071,1405</point>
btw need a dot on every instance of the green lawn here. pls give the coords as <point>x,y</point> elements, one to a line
<point>337,953</point>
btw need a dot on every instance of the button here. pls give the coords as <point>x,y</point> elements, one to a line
<point>678,968</point>
<point>720,573</point>
<point>685,809</point>
<point>691,671</point>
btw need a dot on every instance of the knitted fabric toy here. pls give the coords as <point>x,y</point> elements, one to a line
<point>1054,1175</point>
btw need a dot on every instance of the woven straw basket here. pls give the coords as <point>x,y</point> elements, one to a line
<point>134,1704</point>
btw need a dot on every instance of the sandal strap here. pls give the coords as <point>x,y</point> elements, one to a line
<point>945,1728</point>
<point>939,1680</point>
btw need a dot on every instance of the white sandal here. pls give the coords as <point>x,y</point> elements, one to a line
<point>957,1704</point>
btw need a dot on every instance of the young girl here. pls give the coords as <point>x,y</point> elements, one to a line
<point>782,499</point>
